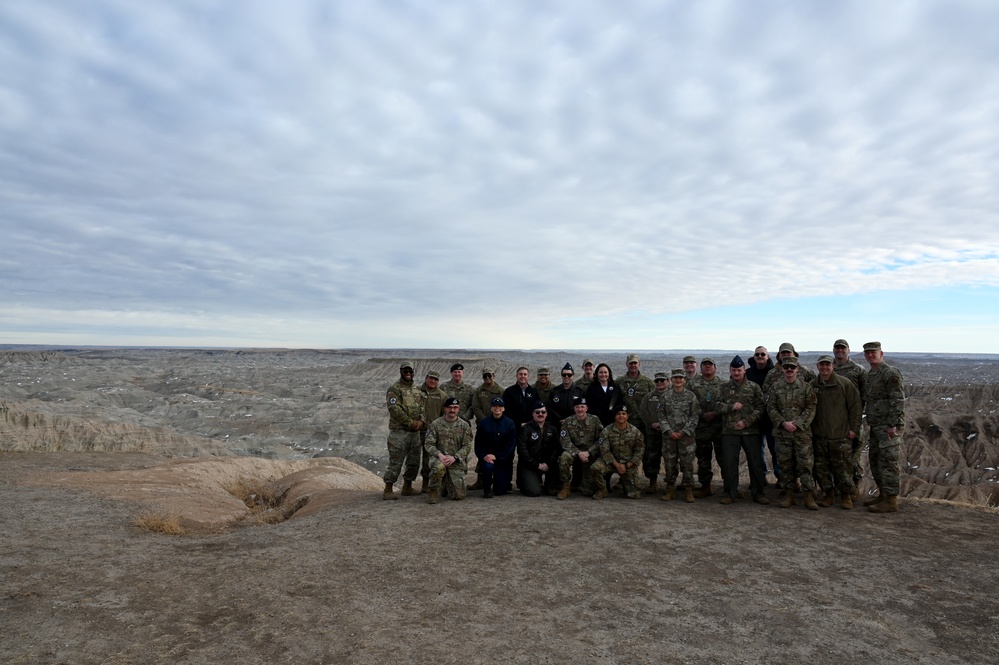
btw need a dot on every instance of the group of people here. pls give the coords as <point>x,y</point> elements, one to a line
<point>578,434</point>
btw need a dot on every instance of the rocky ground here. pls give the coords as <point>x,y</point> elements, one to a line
<point>289,555</point>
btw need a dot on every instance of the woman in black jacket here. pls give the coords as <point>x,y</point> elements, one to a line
<point>603,395</point>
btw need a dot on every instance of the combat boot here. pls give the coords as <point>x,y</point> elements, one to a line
<point>705,491</point>
<point>564,492</point>
<point>846,503</point>
<point>670,493</point>
<point>487,492</point>
<point>601,493</point>
<point>424,484</point>
<point>855,494</point>
<point>653,487</point>
<point>433,496</point>
<point>388,494</point>
<point>689,494</point>
<point>889,505</point>
<point>810,501</point>
<point>407,488</point>
<point>829,499</point>
<point>787,501</point>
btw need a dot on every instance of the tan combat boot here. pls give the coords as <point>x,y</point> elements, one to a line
<point>564,492</point>
<point>388,494</point>
<point>688,494</point>
<point>889,505</point>
<point>670,493</point>
<point>653,487</point>
<point>810,501</point>
<point>846,503</point>
<point>829,499</point>
<point>433,496</point>
<point>705,491</point>
<point>601,493</point>
<point>788,500</point>
<point>407,488</point>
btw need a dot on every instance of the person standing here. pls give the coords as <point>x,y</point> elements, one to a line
<point>792,407</point>
<point>543,385</point>
<point>836,426</point>
<point>461,391</point>
<point>649,408</point>
<point>433,408</point>
<point>621,449</point>
<point>844,366</point>
<point>405,407</point>
<point>886,418</point>
<point>756,371</point>
<point>485,394</point>
<point>580,440</point>
<point>678,415</point>
<point>538,451</point>
<point>563,397</point>
<point>520,398</point>
<point>495,446</point>
<point>708,435</point>
<point>603,395</point>
<point>449,442</point>
<point>588,375</point>
<point>634,386</point>
<point>740,403</point>
<point>689,368</point>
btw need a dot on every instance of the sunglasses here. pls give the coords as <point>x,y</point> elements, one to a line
<point>760,355</point>
<point>540,413</point>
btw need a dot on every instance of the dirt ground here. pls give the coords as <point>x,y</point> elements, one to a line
<point>507,580</point>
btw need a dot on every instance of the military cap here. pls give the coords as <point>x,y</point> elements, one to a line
<point>689,359</point>
<point>789,362</point>
<point>737,362</point>
<point>488,370</point>
<point>632,358</point>
<point>678,372</point>
<point>841,342</point>
<point>660,376</point>
<point>579,400</point>
<point>826,358</point>
<point>544,371</point>
<point>434,374</point>
<point>457,366</point>
<point>406,365</point>
<point>567,368</point>
<point>620,407</point>
<point>707,361</point>
<point>872,346</point>
<point>497,401</point>
<point>786,346</point>
<point>587,362</point>
<point>451,401</point>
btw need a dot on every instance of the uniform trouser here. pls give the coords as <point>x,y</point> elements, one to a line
<point>497,476</point>
<point>629,480</point>
<point>835,470</point>
<point>883,454</point>
<point>570,466</point>
<point>769,440</point>
<point>530,481</point>
<point>452,477</point>
<point>858,444</point>
<point>796,453</point>
<point>652,458</point>
<point>679,456</point>
<point>424,458</point>
<point>750,444</point>
<point>403,447</point>
<point>708,439</point>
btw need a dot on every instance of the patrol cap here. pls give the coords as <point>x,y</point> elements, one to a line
<point>538,404</point>
<point>497,401</point>
<point>579,400</point>
<point>786,346</point>
<point>587,362</point>
<point>737,362</point>
<point>841,342</point>
<point>825,358</point>
<point>660,376</point>
<point>488,370</point>
<point>406,365</point>
<point>451,401</point>
<point>872,346</point>
<point>678,372</point>
<point>707,361</point>
<point>689,359</point>
<point>567,368</point>
<point>632,358</point>
<point>619,408</point>
<point>544,371</point>
<point>789,362</point>
<point>434,374</point>
<point>457,366</point>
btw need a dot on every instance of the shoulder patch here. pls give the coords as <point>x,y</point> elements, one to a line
<point>563,433</point>
<point>393,400</point>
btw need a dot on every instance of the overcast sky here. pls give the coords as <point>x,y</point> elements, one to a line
<point>464,174</point>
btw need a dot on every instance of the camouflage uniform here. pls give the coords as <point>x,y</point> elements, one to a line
<point>776,375</point>
<point>433,408</point>
<point>632,393</point>
<point>544,391</point>
<point>483,399</point>
<point>577,436</point>
<point>708,435</point>
<point>858,375</point>
<point>885,409</point>
<point>465,394</point>
<point>837,414</point>
<point>748,438</point>
<point>451,439</point>
<point>649,412</point>
<point>678,412</point>
<point>794,402</point>
<point>626,447</point>
<point>405,404</point>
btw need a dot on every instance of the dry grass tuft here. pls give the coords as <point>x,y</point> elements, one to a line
<point>977,506</point>
<point>160,523</point>
<point>264,503</point>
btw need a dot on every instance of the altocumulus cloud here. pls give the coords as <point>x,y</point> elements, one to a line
<point>312,173</point>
